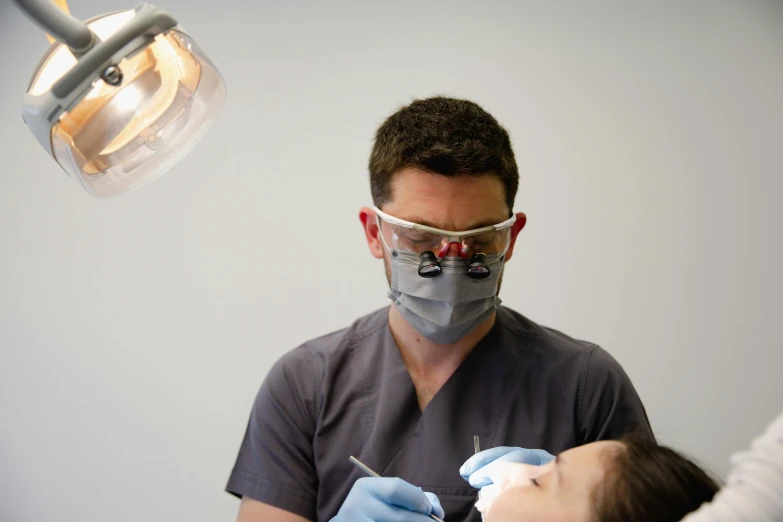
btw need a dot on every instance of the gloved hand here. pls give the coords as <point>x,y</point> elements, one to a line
<point>474,470</point>
<point>384,499</point>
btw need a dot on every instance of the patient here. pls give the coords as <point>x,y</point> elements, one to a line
<point>628,480</point>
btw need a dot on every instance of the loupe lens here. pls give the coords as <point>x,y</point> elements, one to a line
<point>478,269</point>
<point>429,266</point>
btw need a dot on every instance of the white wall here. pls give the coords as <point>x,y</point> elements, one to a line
<point>134,333</point>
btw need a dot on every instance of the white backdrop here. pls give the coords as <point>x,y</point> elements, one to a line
<point>134,333</point>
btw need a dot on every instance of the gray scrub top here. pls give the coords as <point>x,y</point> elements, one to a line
<point>349,393</point>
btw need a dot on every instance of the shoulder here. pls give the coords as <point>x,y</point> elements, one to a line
<point>315,354</point>
<point>542,340</point>
<point>607,405</point>
<point>554,349</point>
<point>300,374</point>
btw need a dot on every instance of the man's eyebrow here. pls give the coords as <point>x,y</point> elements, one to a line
<point>473,226</point>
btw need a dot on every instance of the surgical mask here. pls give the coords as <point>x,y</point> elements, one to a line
<point>445,308</point>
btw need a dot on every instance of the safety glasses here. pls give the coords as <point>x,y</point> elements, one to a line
<point>432,244</point>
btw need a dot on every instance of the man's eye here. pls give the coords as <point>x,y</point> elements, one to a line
<point>418,240</point>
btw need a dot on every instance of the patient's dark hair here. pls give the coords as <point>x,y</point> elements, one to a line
<point>647,482</point>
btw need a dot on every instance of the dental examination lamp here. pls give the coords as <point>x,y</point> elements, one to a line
<point>121,98</point>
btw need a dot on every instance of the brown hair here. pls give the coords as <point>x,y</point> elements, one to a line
<point>647,482</point>
<point>445,136</point>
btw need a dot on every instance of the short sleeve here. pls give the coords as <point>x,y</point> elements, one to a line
<point>275,463</point>
<point>609,406</point>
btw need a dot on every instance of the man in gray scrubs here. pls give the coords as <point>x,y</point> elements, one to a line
<point>406,388</point>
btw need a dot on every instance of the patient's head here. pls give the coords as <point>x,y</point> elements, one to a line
<point>632,479</point>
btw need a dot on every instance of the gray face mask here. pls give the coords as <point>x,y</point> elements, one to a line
<point>447,307</point>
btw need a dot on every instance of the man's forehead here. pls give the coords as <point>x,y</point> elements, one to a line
<point>454,217</point>
<point>454,225</point>
<point>449,203</point>
<point>414,180</point>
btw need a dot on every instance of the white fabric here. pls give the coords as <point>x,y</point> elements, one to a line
<point>754,489</point>
<point>504,475</point>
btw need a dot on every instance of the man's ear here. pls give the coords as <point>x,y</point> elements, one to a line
<point>371,232</point>
<point>516,228</point>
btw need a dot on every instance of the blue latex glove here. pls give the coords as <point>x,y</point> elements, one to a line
<point>474,469</point>
<point>384,499</point>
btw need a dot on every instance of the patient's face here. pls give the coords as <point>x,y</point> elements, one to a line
<point>564,489</point>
